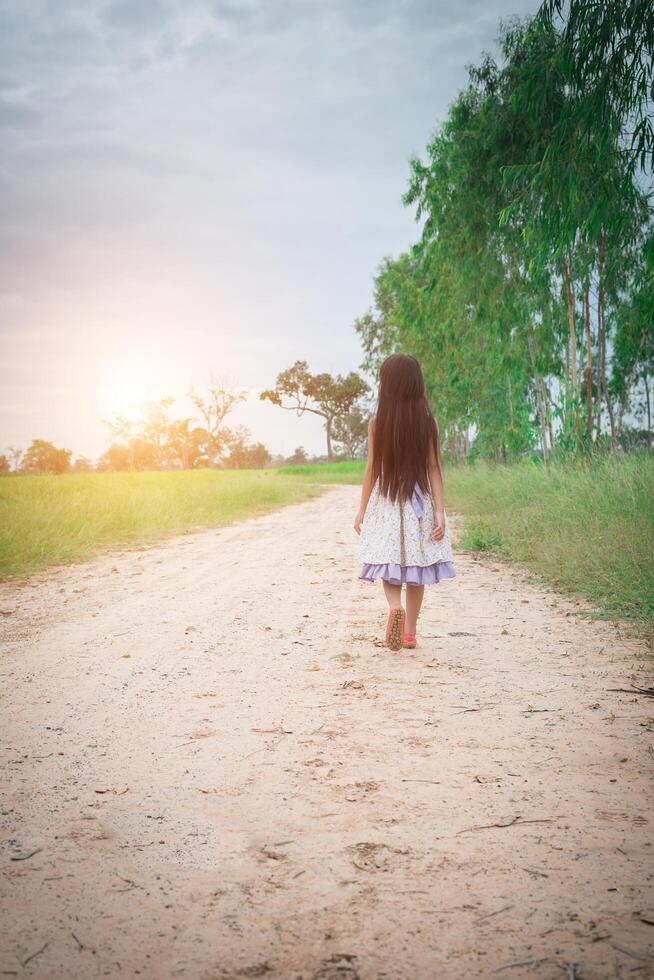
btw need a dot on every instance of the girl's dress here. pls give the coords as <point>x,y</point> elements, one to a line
<point>395,541</point>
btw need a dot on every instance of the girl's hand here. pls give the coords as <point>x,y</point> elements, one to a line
<point>358,521</point>
<point>439,526</point>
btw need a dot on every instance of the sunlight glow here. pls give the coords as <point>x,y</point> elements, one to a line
<point>126,386</point>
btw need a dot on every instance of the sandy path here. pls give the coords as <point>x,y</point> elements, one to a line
<point>219,772</point>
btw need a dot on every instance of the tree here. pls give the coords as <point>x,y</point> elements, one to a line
<point>123,429</point>
<point>118,457</point>
<point>377,328</point>
<point>607,56</point>
<point>298,458</point>
<point>44,457</point>
<point>244,454</point>
<point>327,396</point>
<point>15,455</point>
<point>529,295</point>
<point>187,445</point>
<point>139,454</point>
<point>214,407</point>
<point>82,465</point>
<point>351,432</point>
<point>155,427</point>
<point>4,465</point>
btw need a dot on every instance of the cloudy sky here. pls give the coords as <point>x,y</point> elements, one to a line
<point>205,185</point>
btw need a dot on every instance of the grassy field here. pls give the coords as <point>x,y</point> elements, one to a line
<point>588,529</point>
<point>349,472</point>
<point>47,520</point>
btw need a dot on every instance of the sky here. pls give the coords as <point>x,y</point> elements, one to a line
<point>196,186</point>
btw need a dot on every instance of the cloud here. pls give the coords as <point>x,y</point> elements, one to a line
<point>213,180</point>
<point>143,16</point>
<point>15,115</point>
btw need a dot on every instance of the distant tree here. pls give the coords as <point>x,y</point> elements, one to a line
<point>187,445</point>
<point>15,455</point>
<point>299,457</point>
<point>351,432</point>
<point>4,465</point>
<point>124,430</point>
<point>214,407</point>
<point>245,455</point>
<point>145,454</point>
<point>155,426</point>
<point>139,454</point>
<point>118,458</point>
<point>44,457</point>
<point>82,465</point>
<point>325,395</point>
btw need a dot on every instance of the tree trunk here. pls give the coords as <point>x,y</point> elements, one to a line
<point>572,395</point>
<point>328,433</point>
<point>601,346</point>
<point>649,414</point>
<point>609,408</point>
<point>541,400</point>
<point>588,369</point>
<point>572,334</point>
<point>510,391</point>
<point>603,387</point>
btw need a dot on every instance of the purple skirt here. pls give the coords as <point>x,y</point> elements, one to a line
<point>408,574</point>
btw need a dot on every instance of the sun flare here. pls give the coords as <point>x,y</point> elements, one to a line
<point>127,385</point>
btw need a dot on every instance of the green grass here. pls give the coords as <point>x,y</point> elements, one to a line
<point>48,520</point>
<point>587,528</point>
<point>346,472</point>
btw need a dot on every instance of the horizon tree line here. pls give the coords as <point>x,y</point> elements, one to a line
<point>155,441</point>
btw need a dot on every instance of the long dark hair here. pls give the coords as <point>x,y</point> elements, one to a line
<point>404,429</point>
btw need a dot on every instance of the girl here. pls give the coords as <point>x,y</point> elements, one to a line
<point>404,537</point>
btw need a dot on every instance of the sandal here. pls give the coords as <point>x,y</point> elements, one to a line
<point>395,628</point>
<point>409,641</point>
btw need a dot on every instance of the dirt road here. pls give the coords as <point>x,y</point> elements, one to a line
<point>212,769</point>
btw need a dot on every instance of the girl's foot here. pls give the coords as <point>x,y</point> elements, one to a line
<point>395,628</point>
<point>409,641</point>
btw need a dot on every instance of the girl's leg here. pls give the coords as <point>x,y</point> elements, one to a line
<point>414,594</point>
<point>396,616</point>
<point>393,594</point>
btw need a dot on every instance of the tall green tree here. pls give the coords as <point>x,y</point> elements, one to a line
<point>526,296</point>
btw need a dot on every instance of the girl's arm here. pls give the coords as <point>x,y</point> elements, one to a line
<point>435,471</point>
<point>366,487</point>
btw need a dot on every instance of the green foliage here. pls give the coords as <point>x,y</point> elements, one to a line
<point>481,536</point>
<point>607,56</point>
<point>350,471</point>
<point>529,297</point>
